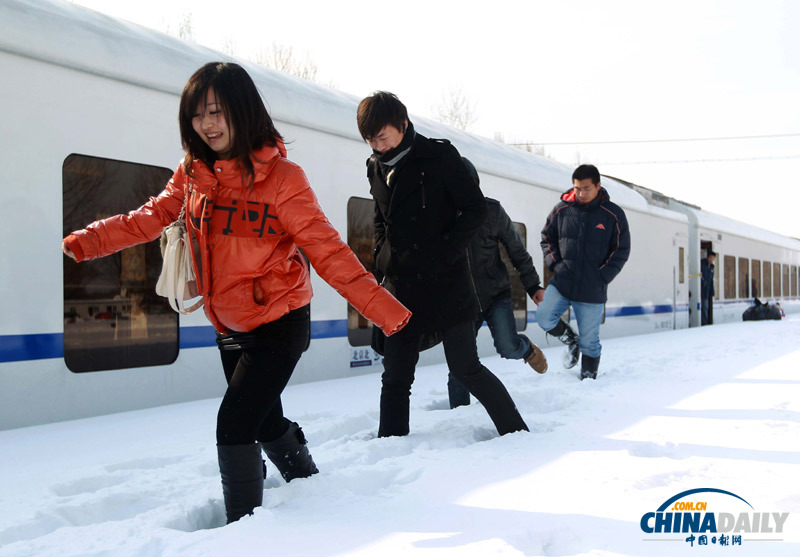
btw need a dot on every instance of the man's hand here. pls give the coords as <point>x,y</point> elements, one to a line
<point>538,296</point>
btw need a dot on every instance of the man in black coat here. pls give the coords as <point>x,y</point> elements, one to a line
<point>427,207</point>
<point>586,242</point>
<point>492,287</point>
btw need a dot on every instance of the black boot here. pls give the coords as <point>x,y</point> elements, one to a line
<point>394,409</point>
<point>589,367</point>
<point>563,332</point>
<point>242,472</point>
<point>491,392</point>
<point>456,392</point>
<point>290,455</point>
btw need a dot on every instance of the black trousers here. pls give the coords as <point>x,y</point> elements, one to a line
<point>257,372</point>
<point>401,354</point>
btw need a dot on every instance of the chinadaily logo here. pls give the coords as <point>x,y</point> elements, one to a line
<point>707,516</point>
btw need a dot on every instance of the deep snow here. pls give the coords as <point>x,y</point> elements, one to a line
<point>717,407</point>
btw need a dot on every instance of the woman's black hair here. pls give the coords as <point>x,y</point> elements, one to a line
<point>248,120</point>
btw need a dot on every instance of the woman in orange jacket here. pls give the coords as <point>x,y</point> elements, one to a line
<point>248,210</point>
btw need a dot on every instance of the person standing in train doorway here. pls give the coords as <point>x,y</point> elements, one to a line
<point>586,242</point>
<point>707,291</point>
<point>427,207</point>
<point>492,287</point>
<point>248,212</point>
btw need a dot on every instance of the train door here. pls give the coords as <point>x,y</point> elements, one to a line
<point>707,246</point>
<point>680,283</point>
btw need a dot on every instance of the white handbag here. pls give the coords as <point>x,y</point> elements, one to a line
<point>177,281</point>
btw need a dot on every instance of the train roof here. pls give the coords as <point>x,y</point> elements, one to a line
<point>720,223</point>
<point>75,37</point>
<point>81,39</point>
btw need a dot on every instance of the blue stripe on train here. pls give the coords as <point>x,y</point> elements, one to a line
<point>15,348</point>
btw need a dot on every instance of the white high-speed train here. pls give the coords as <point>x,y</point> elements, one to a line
<point>89,129</point>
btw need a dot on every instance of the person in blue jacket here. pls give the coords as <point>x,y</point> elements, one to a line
<point>586,242</point>
<point>707,288</point>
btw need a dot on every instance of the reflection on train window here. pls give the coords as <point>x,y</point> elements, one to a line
<point>744,277</point>
<point>680,265</point>
<point>360,228</point>
<point>786,289</point>
<point>776,280</point>
<point>755,278</point>
<point>730,277</point>
<point>794,280</point>
<point>113,317</point>
<point>766,284</point>
<point>519,298</point>
<point>547,274</point>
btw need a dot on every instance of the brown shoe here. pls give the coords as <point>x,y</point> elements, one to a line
<point>537,360</point>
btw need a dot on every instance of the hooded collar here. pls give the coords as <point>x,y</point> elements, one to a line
<point>569,197</point>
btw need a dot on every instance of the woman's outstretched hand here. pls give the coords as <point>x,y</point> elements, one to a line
<point>67,251</point>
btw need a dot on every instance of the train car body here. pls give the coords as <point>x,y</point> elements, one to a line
<point>90,130</point>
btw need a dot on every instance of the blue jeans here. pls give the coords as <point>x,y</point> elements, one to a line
<point>704,320</point>
<point>500,319</point>
<point>508,343</point>
<point>588,317</point>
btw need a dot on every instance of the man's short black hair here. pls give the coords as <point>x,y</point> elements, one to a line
<point>710,254</point>
<point>585,171</point>
<point>379,110</point>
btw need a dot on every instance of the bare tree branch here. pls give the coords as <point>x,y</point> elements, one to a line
<point>185,29</point>
<point>281,57</point>
<point>455,110</point>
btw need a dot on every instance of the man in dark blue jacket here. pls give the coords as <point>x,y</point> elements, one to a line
<point>707,288</point>
<point>586,242</point>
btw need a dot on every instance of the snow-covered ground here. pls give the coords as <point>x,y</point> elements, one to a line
<point>717,407</point>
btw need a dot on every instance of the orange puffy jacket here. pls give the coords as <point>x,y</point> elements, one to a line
<point>245,240</point>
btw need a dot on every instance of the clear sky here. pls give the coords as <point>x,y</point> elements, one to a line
<point>566,71</point>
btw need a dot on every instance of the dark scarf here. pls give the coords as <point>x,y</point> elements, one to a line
<point>390,161</point>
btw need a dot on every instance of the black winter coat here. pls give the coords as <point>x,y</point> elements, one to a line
<point>489,272</point>
<point>422,227</point>
<point>585,246</point>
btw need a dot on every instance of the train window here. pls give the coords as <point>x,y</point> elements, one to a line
<point>113,317</point>
<point>360,238</point>
<point>730,277</point>
<point>755,278</point>
<point>794,280</point>
<point>547,274</point>
<point>519,298</point>
<point>776,280</point>
<point>681,269</point>
<point>766,284</point>
<point>744,277</point>
<point>786,285</point>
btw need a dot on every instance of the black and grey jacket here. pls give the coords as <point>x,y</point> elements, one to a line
<point>489,273</point>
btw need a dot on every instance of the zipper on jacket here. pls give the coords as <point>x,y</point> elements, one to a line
<point>421,180</point>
